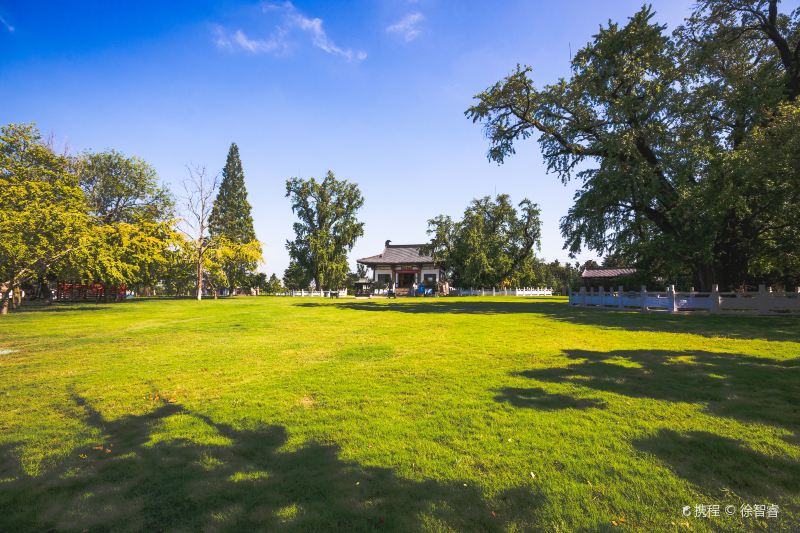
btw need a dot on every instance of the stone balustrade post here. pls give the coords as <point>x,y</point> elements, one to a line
<point>715,302</point>
<point>673,303</point>
<point>764,300</point>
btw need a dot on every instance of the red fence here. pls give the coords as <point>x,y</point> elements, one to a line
<point>72,292</point>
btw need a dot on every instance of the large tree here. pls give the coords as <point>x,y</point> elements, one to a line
<point>231,218</point>
<point>296,277</point>
<point>664,133</point>
<point>327,228</point>
<point>134,213</point>
<point>491,243</point>
<point>44,217</point>
<point>273,285</point>
<point>123,189</point>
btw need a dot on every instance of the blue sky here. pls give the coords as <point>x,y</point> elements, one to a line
<point>373,90</point>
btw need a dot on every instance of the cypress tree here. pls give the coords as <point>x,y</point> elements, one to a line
<point>231,214</point>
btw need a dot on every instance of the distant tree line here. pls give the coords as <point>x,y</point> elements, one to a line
<point>104,218</point>
<point>494,245</point>
<point>686,147</point>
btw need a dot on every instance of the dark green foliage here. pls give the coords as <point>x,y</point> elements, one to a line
<point>326,230</point>
<point>231,217</point>
<point>554,275</point>
<point>274,285</point>
<point>123,189</point>
<point>258,281</point>
<point>295,277</point>
<point>653,126</point>
<point>489,245</point>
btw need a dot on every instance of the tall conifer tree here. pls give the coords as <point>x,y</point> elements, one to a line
<point>231,217</point>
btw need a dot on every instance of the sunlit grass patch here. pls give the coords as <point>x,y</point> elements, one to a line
<point>288,512</point>
<point>441,414</point>
<point>257,475</point>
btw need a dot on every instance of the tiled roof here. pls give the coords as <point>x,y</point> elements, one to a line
<point>607,272</point>
<point>398,253</point>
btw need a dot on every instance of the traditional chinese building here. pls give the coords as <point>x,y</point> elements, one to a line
<point>610,277</point>
<point>400,266</point>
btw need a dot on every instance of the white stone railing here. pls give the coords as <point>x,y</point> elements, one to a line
<point>517,291</point>
<point>765,301</point>
<point>322,294</point>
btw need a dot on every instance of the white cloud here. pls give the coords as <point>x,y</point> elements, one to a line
<point>6,25</point>
<point>293,19</point>
<point>407,27</point>
<point>221,38</point>
<point>239,40</point>
<point>275,43</point>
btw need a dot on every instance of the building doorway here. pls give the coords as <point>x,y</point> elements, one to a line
<point>406,280</point>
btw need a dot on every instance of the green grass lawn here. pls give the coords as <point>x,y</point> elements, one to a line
<point>452,414</point>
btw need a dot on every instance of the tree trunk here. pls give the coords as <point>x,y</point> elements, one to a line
<point>4,288</point>
<point>200,278</point>
<point>703,277</point>
<point>43,291</point>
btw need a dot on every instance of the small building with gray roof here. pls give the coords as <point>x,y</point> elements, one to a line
<point>400,266</point>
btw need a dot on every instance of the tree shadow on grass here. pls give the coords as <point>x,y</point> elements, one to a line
<point>62,308</point>
<point>38,306</point>
<point>746,388</point>
<point>538,398</point>
<point>741,326</point>
<point>716,463</point>
<point>736,386</point>
<point>238,479</point>
<point>775,328</point>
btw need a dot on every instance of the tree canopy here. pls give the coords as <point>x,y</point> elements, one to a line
<point>326,230</point>
<point>106,218</point>
<point>134,217</point>
<point>682,142</point>
<point>296,277</point>
<point>273,285</point>
<point>489,245</point>
<point>231,219</point>
<point>44,215</point>
<point>231,213</point>
<point>123,189</point>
